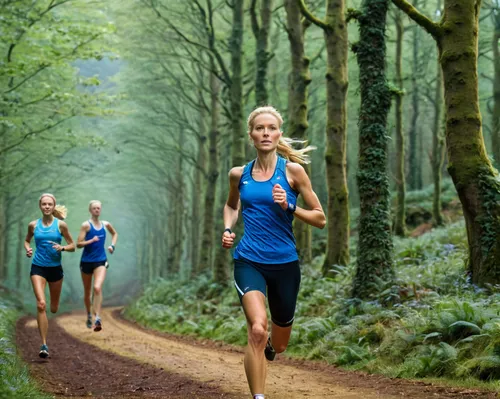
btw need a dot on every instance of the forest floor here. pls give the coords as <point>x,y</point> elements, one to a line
<point>125,360</point>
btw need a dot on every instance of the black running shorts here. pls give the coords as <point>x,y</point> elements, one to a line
<point>281,281</point>
<point>89,267</point>
<point>49,273</point>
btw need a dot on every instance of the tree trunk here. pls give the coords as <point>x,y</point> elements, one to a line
<point>299,79</point>
<point>262,57</point>
<point>437,150</point>
<point>374,262</point>
<point>20,255</point>
<point>207,245</point>
<point>475,179</point>
<point>495,125</point>
<point>400,221</point>
<point>179,216</point>
<point>198,191</point>
<point>236,46</point>
<point>335,33</point>
<point>415,100</point>
<point>222,255</point>
<point>469,165</point>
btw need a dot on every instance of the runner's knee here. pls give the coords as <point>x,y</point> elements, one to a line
<point>258,334</point>
<point>41,306</point>
<point>97,290</point>
<point>280,347</point>
<point>54,307</point>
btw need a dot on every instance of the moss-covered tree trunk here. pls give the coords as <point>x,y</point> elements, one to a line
<point>468,163</point>
<point>236,48</point>
<point>206,256</point>
<point>335,32</point>
<point>495,125</point>
<point>374,261</point>
<point>262,57</point>
<point>400,219</point>
<point>437,149</point>
<point>299,79</point>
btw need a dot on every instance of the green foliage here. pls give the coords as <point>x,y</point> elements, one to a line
<point>15,382</point>
<point>430,321</point>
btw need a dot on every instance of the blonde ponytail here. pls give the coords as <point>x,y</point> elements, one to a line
<point>286,150</point>
<point>285,145</point>
<point>60,211</point>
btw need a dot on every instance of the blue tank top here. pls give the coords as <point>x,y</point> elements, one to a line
<point>45,255</point>
<point>95,252</point>
<point>268,234</point>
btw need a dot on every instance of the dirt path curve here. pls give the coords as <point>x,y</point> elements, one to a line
<point>207,371</point>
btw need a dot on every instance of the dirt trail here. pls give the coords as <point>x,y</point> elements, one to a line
<point>208,371</point>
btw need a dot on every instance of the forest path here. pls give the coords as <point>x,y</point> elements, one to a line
<point>126,361</point>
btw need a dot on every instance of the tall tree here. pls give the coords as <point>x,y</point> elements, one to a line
<point>334,28</point>
<point>437,158</point>
<point>400,220</point>
<point>374,262</point>
<point>299,79</point>
<point>236,84</point>
<point>207,246</point>
<point>495,114</point>
<point>262,56</point>
<point>414,175</point>
<point>475,179</point>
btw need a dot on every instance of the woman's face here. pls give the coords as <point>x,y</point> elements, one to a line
<point>95,209</point>
<point>266,133</point>
<point>47,205</point>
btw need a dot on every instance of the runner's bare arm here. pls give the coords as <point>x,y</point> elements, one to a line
<point>232,206</point>
<point>301,182</point>
<point>80,241</point>
<point>114,236</point>
<point>67,236</point>
<point>27,240</point>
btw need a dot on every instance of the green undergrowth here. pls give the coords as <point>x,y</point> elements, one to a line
<point>15,382</point>
<point>431,324</point>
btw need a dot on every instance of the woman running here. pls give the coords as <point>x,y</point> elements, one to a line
<point>46,266</point>
<point>265,260</point>
<point>94,262</point>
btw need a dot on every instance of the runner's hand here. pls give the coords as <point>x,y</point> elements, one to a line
<point>56,246</point>
<point>279,197</point>
<point>95,239</point>
<point>228,239</point>
<point>110,249</point>
<point>29,252</point>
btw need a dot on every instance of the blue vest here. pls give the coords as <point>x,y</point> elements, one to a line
<point>95,252</point>
<point>45,255</point>
<point>268,235</point>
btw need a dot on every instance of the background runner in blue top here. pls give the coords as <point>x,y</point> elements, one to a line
<point>94,252</point>
<point>94,265</point>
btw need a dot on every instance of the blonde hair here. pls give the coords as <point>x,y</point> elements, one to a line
<point>94,202</point>
<point>60,211</point>
<point>285,145</point>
